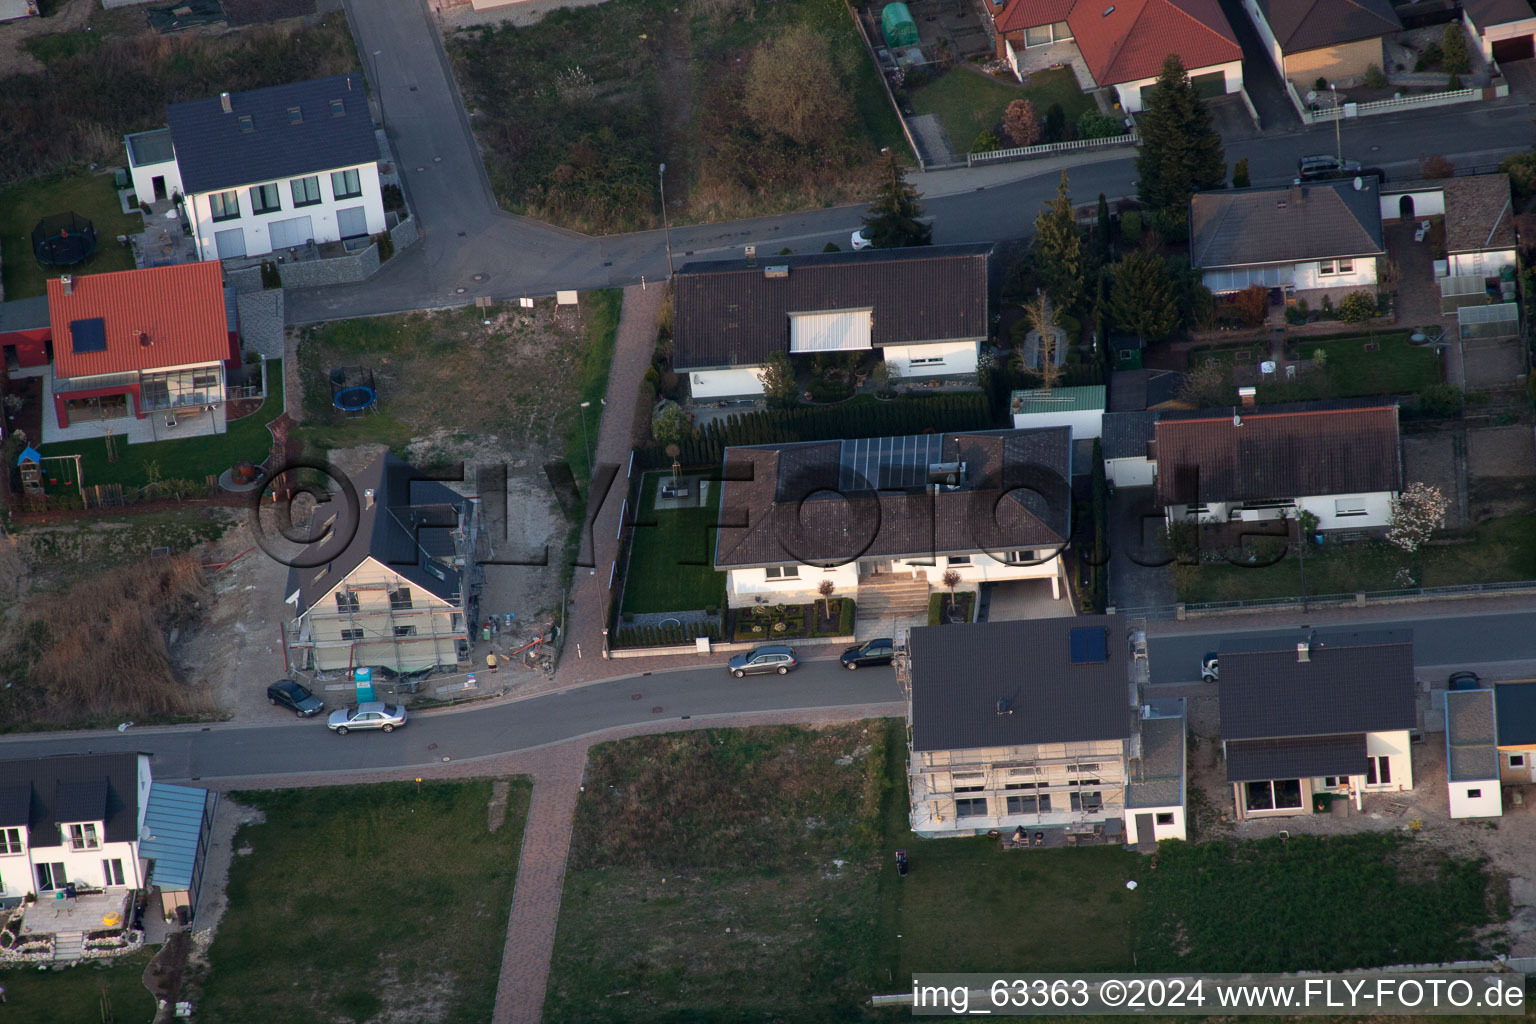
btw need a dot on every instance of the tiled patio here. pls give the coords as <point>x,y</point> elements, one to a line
<point>190,421</point>
<point>51,916</point>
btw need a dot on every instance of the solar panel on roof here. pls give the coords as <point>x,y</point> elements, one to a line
<point>88,335</point>
<point>1089,645</point>
<point>889,463</point>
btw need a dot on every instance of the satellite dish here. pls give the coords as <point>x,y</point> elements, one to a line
<point>1359,183</point>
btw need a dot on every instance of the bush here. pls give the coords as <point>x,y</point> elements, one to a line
<point>1430,59</point>
<point>1296,314</point>
<point>1357,307</point>
<point>1021,125</point>
<point>1439,401</point>
<point>1130,226</point>
<point>831,247</point>
<point>394,199</point>
<point>1321,85</point>
<point>986,142</point>
<point>1095,124</point>
<point>1055,124</point>
<point>1453,44</point>
<point>270,277</point>
<point>1375,78</point>
<point>1252,305</point>
<point>386,246</point>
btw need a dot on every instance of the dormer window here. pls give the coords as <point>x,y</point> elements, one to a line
<point>295,115</point>
<point>10,841</point>
<point>82,836</point>
<point>338,108</point>
<point>246,124</point>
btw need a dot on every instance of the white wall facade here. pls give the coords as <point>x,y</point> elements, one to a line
<point>1161,829</point>
<point>1494,33</point>
<point>1131,472</point>
<point>1479,799</point>
<point>1085,423</point>
<point>18,872</point>
<point>323,215</point>
<point>1480,264</point>
<point>982,568</point>
<point>727,382</point>
<point>1129,93</point>
<point>1266,36</point>
<point>1428,203</point>
<point>1310,275</point>
<point>144,179</point>
<point>745,587</point>
<point>1333,511</point>
<point>933,359</point>
<point>1395,747</point>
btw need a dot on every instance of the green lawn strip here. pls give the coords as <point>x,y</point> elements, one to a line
<point>671,556</point>
<point>600,314</point>
<point>1350,371</point>
<point>705,882</point>
<point>92,196</point>
<point>968,103</point>
<point>192,458</point>
<point>75,995</point>
<point>362,899</point>
<point>1314,903</point>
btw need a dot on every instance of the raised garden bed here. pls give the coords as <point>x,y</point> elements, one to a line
<point>946,610</point>
<point>768,623</point>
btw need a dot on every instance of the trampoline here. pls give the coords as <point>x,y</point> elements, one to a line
<point>352,389</point>
<point>355,399</point>
<point>63,240</point>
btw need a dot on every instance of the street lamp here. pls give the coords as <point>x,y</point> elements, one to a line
<point>1338,140</point>
<point>584,440</point>
<point>661,177</point>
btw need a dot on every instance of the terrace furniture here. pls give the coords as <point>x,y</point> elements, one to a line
<point>1039,838</point>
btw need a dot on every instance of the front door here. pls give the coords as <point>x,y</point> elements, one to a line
<point>158,184</point>
<point>50,877</point>
<point>1145,830</point>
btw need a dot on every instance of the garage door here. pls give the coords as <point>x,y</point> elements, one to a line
<point>352,222</point>
<point>230,243</point>
<point>288,234</point>
<point>1518,48</point>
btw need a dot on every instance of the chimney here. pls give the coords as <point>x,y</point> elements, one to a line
<point>224,102</point>
<point>67,282</point>
<point>368,498</point>
<point>751,255</point>
<point>1249,397</point>
<point>142,338</point>
<point>1303,652</point>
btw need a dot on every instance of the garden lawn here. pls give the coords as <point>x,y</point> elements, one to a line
<point>358,900</point>
<point>969,102</point>
<point>92,196</point>
<point>193,458</point>
<point>672,554</point>
<point>1395,368</point>
<point>75,995</point>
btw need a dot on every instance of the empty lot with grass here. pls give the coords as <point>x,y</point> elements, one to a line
<point>367,903</point>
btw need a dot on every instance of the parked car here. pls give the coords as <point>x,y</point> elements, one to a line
<point>860,240</point>
<point>1464,681</point>
<point>374,714</point>
<point>1313,168</point>
<point>1210,671</point>
<point>772,658</point>
<point>874,652</point>
<point>285,693</point>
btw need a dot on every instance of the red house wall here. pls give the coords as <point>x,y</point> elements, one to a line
<point>31,346</point>
<point>60,407</point>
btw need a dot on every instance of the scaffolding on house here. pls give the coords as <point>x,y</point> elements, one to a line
<point>394,626</point>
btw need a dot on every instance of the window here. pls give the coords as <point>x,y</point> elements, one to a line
<point>925,361</point>
<point>1020,558</point>
<point>246,124</point>
<point>971,782</point>
<point>783,572</point>
<point>295,115</point>
<point>345,185</point>
<point>1280,794</point>
<point>1025,805</point>
<point>224,205</point>
<point>400,600</point>
<point>1325,268</point>
<point>959,559</point>
<point>10,840</point>
<point>51,876</point>
<point>975,807</point>
<point>1473,794</point>
<point>1061,31</point>
<point>1093,800</point>
<point>1165,818</point>
<point>1346,266</point>
<point>405,631</point>
<point>1021,785</point>
<point>264,199</point>
<point>1089,767</point>
<point>82,837</point>
<point>1348,507</point>
<point>1378,771</point>
<point>1332,781</point>
<point>1199,510</point>
<point>1515,761</point>
<point>1040,35</point>
<point>306,191</point>
<point>346,601</point>
<point>338,108</point>
<point>112,872</point>
<point>351,634</point>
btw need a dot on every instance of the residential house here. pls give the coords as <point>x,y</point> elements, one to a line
<point>10,10</point>
<point>1329,715</point>
<point>139,343</point>
<point>1035,723</point>
<point>1515,709</point>
<point>389,577</point>
<point>1136,390</point>
<point>991,505</point>
<point>1340,461</point>
<point>1472,755</point>
<point>1504,29</point>
<point>922,310</point>
<point>1303,240</point>
<point>1129,448</point>
<point>1122,45</point>
<point>25,333</point>
<point>1081,408</point>
<point>1337,40</point>
<point>268,170</point>
<point>1478,214</point>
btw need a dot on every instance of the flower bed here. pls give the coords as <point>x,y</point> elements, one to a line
<point>113,945</point>
<point>32,949</point>
<point>781,622</point>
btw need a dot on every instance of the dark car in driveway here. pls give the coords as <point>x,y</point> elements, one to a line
<point>1464,681</point>
<point>286,693</point>
<point>771,658</point>
<point>874,652</point>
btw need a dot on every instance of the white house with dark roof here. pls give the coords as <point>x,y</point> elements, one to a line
<point>1472,755</point>
<point>1504,29</point>
<point>923,310</point>
<point>1478,213</point>
<point>1330,714</point>
<point>1036,725</point>
<point>1310,238</point>
<point>267,170</point>
<point>1337,40</point>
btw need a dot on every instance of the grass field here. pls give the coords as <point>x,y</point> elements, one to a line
<point>670,562</point>
<point>191,459</point>
<point>1394,367</point>
<point>75,996</point>
<point>92,196</point>
<point>362,899</point>
<point>968,103</point>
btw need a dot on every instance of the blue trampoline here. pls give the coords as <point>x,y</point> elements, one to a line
<point>352,390</point>
<point>355,399</point>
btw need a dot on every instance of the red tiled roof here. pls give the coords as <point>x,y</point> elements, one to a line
<point>1018,15</point>
<point>155,317</point>
<point>1128,40</point>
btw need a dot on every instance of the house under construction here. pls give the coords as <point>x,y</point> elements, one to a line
<point>397,589</point>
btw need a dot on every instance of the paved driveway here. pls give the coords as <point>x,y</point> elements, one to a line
<point>1260,78</point>
<point>1134,527</point>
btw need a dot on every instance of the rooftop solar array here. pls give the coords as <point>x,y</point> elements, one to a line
<point>889,463</point>
<point>88,335</point>
<point>1089,646</point>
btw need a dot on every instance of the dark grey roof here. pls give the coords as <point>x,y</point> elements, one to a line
<point>231,310</point>
<point>408,528</point>
<point>959,673</point>
<point>1472,753</point>
<point>1485,13</point>
<point>15,803</point>
<point>812,501</point>
<point>1137,390</point>
<point>1517,714</point>
<point>213,152</point>
<point>1156,779</point>
<point>24,314</point>
<point>1309,757</point>
<point>74,788</point>
<point>1301,25</point>
<point>732,314</point>
<point>1128,435</point>
<point>150,147</point>
<point>1350,683</point>
<point>1250,226</point>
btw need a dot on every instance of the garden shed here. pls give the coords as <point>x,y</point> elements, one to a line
<point>898,26</point>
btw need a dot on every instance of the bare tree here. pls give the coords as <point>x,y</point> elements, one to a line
<point>825,589</point>
<point>1046,322</point>
<point>951,580</point>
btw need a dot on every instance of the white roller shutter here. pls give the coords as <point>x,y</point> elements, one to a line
<point>844,331</point>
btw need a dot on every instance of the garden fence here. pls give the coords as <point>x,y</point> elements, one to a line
<point>1131,138</point>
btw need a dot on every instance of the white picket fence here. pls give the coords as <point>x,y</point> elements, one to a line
<point>1048,148</point>
<point>1327,115</point>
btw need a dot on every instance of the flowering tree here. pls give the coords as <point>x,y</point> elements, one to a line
<point>1416,514</point>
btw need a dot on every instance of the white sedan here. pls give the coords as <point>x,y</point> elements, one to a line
<point>371,715</point>
<point>860,240</point>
